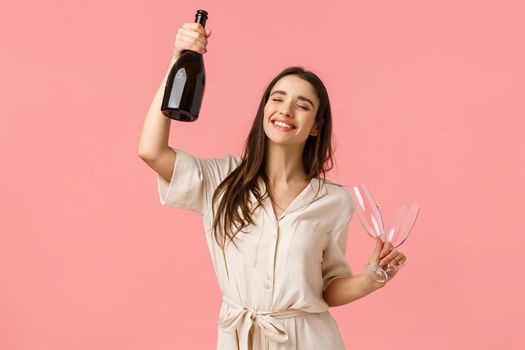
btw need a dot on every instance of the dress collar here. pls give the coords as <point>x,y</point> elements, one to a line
<point>303,199</point>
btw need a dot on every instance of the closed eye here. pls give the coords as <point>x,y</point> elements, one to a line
<point>303,107</point>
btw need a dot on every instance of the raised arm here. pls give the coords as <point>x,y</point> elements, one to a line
<point>153,144</point>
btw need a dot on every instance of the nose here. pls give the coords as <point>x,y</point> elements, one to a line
<point>285,111</point>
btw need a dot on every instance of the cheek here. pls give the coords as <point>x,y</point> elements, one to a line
<point>265,117</point>
<point>267,110</point>
<point>266,124</point>
<point>309,121</point>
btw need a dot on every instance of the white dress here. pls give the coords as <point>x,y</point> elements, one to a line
<point>272,286</point>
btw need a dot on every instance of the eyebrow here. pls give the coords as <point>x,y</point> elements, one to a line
<point>298,97</point>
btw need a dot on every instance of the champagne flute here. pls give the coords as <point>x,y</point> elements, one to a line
<point>372,220</point>
<point>400,228</point>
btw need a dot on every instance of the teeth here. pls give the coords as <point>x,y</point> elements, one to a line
<point>283,124</point>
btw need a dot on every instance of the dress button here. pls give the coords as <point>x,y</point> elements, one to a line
<point>267,285</point>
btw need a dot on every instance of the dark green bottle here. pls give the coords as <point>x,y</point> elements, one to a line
<point>185,84</point>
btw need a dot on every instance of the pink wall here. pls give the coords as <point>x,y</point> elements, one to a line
<point>428,105</point>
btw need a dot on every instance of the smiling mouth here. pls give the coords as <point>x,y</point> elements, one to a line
<point>282,125</point>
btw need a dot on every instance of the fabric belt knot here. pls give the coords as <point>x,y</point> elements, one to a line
<point>243,318</point>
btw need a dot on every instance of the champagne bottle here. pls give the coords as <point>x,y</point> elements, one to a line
<point>185,84</point>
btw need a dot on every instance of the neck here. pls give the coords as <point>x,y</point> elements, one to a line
<point>284,163</point>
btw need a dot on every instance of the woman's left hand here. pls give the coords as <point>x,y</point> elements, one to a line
<point>384,254</point>
<point>391,256</point>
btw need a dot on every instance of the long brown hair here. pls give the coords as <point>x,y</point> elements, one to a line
<point>235,208</point>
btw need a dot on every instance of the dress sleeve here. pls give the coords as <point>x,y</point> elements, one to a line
<point>334,264</point>
<point>194,181</point>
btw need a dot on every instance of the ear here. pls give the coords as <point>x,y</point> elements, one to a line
<point>315,129</point>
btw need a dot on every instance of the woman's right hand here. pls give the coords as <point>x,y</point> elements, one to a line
<point>191,36</point>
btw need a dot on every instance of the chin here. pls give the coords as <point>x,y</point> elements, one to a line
<point>287,142</point>
<point>282,140</point>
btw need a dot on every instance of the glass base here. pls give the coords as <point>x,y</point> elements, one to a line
<point>377,273</point>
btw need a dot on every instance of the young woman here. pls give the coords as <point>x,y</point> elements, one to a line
<point>276,228</point>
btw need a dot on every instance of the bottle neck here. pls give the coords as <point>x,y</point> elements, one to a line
<point>201,17</point>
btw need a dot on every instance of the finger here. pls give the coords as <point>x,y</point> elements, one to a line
<point>208,32</point>
<point>387,247</point>
<point>193,26</point>
<point>192,35</point>
<point>373,260</point>
<point>200,28</point>
<point>402,260</point>
<point>191,45</point>
<point>196,28</point>
<point>398,261</point>
<point>388,258</point>
<point>377,248</point>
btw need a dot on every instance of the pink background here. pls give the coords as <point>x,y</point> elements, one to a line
<point>428,104</point>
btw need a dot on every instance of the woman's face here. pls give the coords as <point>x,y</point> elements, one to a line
<point>292,101</point>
